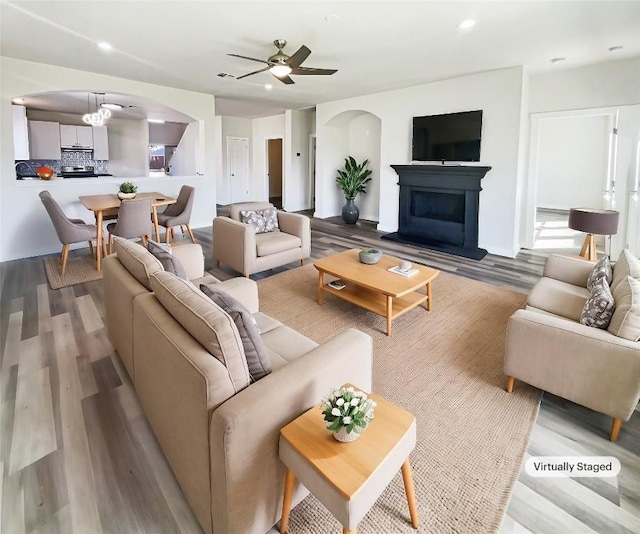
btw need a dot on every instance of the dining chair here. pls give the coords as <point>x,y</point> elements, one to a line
<point>179,214</point>
<point>133,221</point>
<point>69,230</point>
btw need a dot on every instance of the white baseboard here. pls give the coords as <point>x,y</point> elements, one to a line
<point>384,228</point>
<point>499,251</point>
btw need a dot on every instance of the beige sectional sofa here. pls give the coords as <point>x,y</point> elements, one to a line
<point>219,432</point>
<point>549,348</point>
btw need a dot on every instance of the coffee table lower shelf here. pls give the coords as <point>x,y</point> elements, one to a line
<point>376,302</point>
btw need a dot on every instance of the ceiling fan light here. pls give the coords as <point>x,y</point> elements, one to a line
<point>110,105</point>
<point>280,70</point>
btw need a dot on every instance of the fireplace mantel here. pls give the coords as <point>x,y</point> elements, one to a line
<point>439,207</point>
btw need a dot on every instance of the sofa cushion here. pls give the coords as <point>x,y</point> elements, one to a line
<point>287,343</point>
<point>274,242</point>
<point>171,264</point>
<point>627,265</point>
<point>601,270</point>
<point>207,323</point>
<point>625,322</point>
<point>137,260</point>
<point>262,220</point>
<point>254,350</point>
<point>598,309</point>
<point>558,298</point>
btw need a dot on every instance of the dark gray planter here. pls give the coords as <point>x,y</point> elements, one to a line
<point>350,211</point>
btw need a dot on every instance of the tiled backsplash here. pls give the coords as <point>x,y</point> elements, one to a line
<point>75,158</point>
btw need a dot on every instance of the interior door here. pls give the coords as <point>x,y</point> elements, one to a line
<point>238,168</point>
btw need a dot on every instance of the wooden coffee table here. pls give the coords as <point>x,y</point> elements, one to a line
<point>348,478</point>
<point>373,287</point>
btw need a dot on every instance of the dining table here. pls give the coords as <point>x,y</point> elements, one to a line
<point>99,204</point>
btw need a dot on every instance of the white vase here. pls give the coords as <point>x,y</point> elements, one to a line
<point>345,437</point>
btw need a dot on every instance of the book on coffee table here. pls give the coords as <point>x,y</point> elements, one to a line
<point>407,274</point>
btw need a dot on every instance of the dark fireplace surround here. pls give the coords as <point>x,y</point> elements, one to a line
<point>439,208</point>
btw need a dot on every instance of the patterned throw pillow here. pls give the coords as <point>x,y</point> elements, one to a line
<point>262,220</point>
<point>171,264</point>
<point>601,270</point>
<point>599,308</point>
<point>255,351</point>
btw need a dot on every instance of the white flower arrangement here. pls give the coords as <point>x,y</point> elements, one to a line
<point>347,408</point>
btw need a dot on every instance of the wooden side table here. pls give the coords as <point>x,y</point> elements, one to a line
<point>348,478</point>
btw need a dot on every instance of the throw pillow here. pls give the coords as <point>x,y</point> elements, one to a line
<point>171,264</point>
<point>601,270</point>
<point>625,322</point>
<point>598,309</point>
<point>136,259</point>
<point>627,265</point>
<point>206,322</point>
<point>254,349</point>
<point>262,220</point>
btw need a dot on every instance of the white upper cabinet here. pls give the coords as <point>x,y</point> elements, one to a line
<point>20,132</point>
<point>44,140</point>
<point>76,136</point>
<point>100,143</point>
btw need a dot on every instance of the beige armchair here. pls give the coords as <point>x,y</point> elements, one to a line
<point>550,349</point>
<point>237,245</point>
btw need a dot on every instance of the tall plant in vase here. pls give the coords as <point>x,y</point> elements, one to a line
<point>353,180</point>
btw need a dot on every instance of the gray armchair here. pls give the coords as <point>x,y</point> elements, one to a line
<point>68,230</point>
<point>237,245</point>
<point>179,214</point>
<point>134,220</point>
<point>550,349</point>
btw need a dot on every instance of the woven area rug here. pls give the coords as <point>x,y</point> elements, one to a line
<point>80,269</point>
<point>444,366</point>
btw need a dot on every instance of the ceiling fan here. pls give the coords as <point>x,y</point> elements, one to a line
<point>281,65</point>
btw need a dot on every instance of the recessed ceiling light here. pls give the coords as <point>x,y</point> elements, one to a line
<point>558,59</point>
<point>156,121</point>
<point>614,48</point>
<point>268,86</point>
<point>104,45</point>
<point>18,101</point>
<point>465,24</point>
<point>110,105</point>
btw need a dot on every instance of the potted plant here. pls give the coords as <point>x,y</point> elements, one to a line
<point>347,412</point>
<point>353,180</point>
<point>127,190</point>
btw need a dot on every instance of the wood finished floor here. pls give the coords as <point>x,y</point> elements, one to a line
<point>77,454</point>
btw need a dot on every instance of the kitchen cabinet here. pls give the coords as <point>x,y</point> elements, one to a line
<point>20,132</point>
<point>76,136</point>
<point>100,143</point>
<point>44,140</point>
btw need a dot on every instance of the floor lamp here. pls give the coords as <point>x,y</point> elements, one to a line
<point>594,222</point>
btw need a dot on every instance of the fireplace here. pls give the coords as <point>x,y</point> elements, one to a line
<point>439,208</point>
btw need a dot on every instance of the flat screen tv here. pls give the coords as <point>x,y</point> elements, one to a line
<point>449,137</point>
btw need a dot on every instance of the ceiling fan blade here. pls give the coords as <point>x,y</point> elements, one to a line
<point>252,73</point>
<point>296,59</point>
<point>249,58</point>
<point>284,79</point>
<point>310,71</point>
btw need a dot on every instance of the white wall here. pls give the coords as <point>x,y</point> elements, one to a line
<point>363,142</point>
<point>166,133</point>
<point>263,129</point>
<point>498,93</point>
<point>612,87</point>
<point>297,184</point>
<point>614,83</point>
<point>572,168</point>
<point>25,229</point>
<point>183,162</point>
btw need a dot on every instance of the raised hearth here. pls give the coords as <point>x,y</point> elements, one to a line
<point>439,208</point>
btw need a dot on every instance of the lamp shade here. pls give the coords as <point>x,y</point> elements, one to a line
<point>594,221</point>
